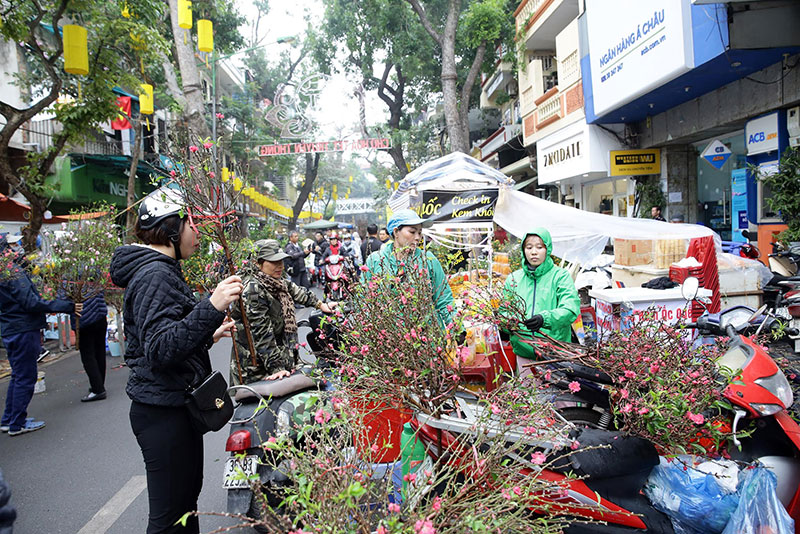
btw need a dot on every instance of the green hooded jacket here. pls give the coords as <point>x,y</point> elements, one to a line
<point>384,261</point>
<point>548,290</point>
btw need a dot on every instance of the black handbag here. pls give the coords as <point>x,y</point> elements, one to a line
<point>209,403</point>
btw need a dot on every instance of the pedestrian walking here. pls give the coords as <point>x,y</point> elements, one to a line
<point>655,213</point>
<point>371,243</point>
<point>22,317</point>
<point>169,333</point>
<point>92,332</point>
<point>295,263</point>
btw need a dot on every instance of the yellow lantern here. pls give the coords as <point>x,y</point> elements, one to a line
<point>335,192</point>
<point>351,179</point>
<point>388,183</point>
<point>146,99</point>
<point>185,14</point>
<point>237,184</point>
<point>205,35</point>
<point>76,50</point>
<point>226,175</point>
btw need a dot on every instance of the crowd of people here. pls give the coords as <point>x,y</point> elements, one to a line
<point>169,332</point>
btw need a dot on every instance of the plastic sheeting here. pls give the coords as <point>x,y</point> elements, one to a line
<point>578,235</point>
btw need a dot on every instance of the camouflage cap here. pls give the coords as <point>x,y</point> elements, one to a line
<point>269,250</point>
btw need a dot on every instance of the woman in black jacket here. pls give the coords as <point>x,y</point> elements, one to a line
<point>168,333</point>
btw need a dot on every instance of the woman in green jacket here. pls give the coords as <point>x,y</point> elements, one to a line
<point>403,252</point>
<point>551,300</point>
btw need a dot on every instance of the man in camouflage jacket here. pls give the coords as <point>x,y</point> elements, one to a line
<point>272,322</point>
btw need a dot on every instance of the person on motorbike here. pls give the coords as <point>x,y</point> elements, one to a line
<point>269,300</point>
<point>551,299</point>
<point>169,333</point>
<point>335,248</point>
<point>402,253</point>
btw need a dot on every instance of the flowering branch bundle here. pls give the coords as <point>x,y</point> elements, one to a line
<point>667,390</point>
<point>80,258</point>
<point>487,479</point>
<point>393,345</point>
<point>212,207</point>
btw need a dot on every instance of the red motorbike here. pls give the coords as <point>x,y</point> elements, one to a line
<point>337,277</point>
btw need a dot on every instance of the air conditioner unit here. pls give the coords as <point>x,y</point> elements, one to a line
<point>793,121</point>
<point>794,142</point>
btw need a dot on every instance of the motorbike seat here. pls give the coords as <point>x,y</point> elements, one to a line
<point>274,388</point>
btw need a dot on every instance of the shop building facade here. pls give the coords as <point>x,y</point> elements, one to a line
<point>713,86</point>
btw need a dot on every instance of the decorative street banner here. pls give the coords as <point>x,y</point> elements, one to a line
<point>324,146</point>
<point>635,162</point>
<point>716,154</point>
<point>459,206</point>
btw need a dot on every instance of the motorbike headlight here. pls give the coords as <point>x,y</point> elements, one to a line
<point>766,409</point>
<point>778,386</point>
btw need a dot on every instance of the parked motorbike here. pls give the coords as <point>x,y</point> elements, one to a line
<point>761,394</point>
<point>337,277</point>
<point>613,471</point>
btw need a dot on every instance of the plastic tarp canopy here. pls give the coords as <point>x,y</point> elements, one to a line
<point>578,235</point>
<point>453,172</point>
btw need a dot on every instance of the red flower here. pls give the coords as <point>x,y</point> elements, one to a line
<point>193,149</point>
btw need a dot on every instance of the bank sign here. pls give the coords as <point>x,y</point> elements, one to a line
<point>636,47</point>
<point>458,206</point>
<point>761,134</point>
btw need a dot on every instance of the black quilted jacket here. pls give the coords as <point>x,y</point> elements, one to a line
<point>167,330</point>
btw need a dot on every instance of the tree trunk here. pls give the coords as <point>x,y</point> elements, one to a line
<point>194,111</point>
<point>312,166</point>
<point>130,220</point>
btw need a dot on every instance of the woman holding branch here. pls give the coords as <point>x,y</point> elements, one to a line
<point>551,300</point>
<point>169,333</point>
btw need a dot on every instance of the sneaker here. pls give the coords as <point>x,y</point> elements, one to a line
<point>44,354</point>
<point>30,426</point>
<point>92,396</point>
<point>4,428</point>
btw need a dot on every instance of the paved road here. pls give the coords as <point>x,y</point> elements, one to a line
<point>83,473</point>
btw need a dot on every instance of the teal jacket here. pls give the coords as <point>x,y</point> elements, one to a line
<point>384,261</point>
<point>548,290</point>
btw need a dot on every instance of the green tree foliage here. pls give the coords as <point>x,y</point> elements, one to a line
<point>118,46</point>
<point>784,191</point>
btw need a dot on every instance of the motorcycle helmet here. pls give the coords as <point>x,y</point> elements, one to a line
<point>334,235</point>
<point>163,207</point>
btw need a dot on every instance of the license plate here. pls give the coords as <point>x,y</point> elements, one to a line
<point>238,472</point>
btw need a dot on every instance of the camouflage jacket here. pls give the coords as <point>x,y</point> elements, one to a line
<point>275,351</point>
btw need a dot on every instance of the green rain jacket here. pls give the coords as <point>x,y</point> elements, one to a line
<point>384,261</point>
<point>548,290</point>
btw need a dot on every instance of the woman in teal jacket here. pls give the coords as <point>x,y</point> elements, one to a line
<point>405,227</point>
<point>551,300</point>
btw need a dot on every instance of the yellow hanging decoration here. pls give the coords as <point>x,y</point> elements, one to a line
<point>396,185</point>
<point>205,35</point>
<point>388,183</point>
<point>335,194</point>
<point>185,14</point>
<point>237,184</point>
<point>76,49</point>
<point>351,179</point>
<point>146,99</point>
<point>225,174</point>
<point>147,121</point>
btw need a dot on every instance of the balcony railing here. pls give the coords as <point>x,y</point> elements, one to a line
<point>526,10</point>
<point>549,109</point>
<point>102,147</point>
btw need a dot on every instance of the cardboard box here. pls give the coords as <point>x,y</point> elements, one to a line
<point>633,251</point>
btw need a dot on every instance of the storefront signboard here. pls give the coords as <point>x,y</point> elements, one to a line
<point>738,204</point>
<point>578,151</point>
<point>716,154</point>
<point>635,162</point>
<point>636,47</point>
<point>761,134</point>
<point>458,206</point>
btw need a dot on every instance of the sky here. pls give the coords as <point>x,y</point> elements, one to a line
<point>337,110</point>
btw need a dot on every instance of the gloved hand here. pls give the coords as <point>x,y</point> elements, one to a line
<point>461,338</point>
<point>534,323</point>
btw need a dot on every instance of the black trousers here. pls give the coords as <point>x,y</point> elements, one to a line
<point>173,458</point>
<point>301,279</point>
<point>93,354</point>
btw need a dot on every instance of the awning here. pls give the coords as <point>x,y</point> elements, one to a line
<point>11,210</point>
<point>579,235</point>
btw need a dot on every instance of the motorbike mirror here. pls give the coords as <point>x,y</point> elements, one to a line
<point>758,313</point>
<point>690,288</point>
<point>746,234</point>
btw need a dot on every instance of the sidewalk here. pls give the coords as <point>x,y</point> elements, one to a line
<point>49,344</point>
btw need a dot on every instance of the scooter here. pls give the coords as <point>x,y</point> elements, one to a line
<point>761,394</point>
<point>336,277</point>
<point>264,410</point>
<point>613,471</point>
